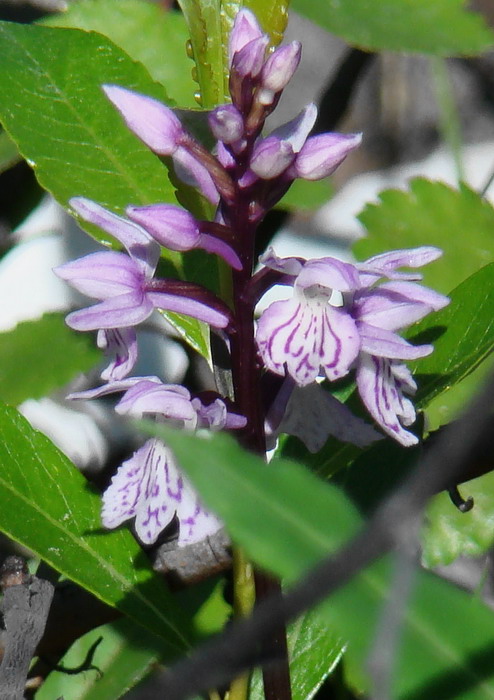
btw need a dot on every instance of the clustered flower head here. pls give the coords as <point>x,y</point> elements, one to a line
<point>342,317</point>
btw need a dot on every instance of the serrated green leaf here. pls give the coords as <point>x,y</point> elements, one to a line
<point>287,520</point>
<point>123,657</point>
<point>47,506</point>
<point>29,370</point>
<point>210,23</point>
<point>459,222</point>
<point>146,32</point>
<point>54,109</point>
<point>313,649</point>
<point>441,28</point>
<point>449,533</point>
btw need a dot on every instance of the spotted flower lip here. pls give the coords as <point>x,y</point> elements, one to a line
<point>151,488</point>
<point>122,344</point>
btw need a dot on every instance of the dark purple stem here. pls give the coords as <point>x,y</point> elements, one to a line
<point>246,375</point>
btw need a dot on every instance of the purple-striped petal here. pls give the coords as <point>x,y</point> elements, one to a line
<point>384,343</point>
<point>150,120</point>
<point>102,275</point>
<point>122,344</point>
<point>288,266</point>
<point>150,487</point>
<point>116,312</point>
<point>383,398</point>
<point>305,336</point>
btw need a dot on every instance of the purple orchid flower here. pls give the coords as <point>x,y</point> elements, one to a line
<point>125,285</point>
<point>121,343</point>
<point>151,488</point>
<point>305,335</point>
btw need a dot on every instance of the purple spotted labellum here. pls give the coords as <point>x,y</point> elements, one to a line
<point>151,488</point>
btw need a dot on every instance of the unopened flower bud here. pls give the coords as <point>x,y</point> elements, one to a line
<point>226,123</point>
<point>250,60</point>
<point>322,154</point>
<point>271,157</point>
<point>280,67</point>
<point>150,120</point>
<point>169,225</point>
<point>245,29</point>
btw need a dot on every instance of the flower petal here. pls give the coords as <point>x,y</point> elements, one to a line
<point>384,343</point>
<point>296,131</point>
<point>116,312</point>
<point>245,29</point>
<point>150,120</point>
<point>169,401</point>
<point>329,273</point>
<point>313,415</point>
<point>122,343</point>
<point>383,398</point>
<point>322,154</point>
<point>189,307</point>
<point>168,224</point>
<point>305,336</point>
<point>193,173</point>
<point>384,265</point>
<point>102,275</point>
<point>139,244</point>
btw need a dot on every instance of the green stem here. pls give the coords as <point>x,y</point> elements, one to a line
<point>449,122</point>
<point>244,595</point>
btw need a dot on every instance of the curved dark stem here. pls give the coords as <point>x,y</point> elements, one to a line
<point>463,505</point>
<point>338,94</point>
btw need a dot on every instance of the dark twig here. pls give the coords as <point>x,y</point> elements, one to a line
<point>25,606</point>
<point>229,654</point>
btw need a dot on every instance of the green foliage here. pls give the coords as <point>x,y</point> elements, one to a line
<point>306,195</point>
<point>314,652</point>
<point>47,506</point>
<point>462,333</point>
<point>459,222</point>
<point>27,370</point>
<point>441,27</point>
<point>210,23</point>
<point>9,155</point>
<point>124,655</point>
<point>70,133</point>
<point>146,32</point>
<point>449,533</point>
<point>291,534</point>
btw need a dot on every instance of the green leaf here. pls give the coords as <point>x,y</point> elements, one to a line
<point>146,32</point>
<point>28,370</point>
<point>462,333</point>
<point>210,23</point>
<point>9,155</point>
<point>314,651</point>
<point>306,195</point>
<point>125,654</point>
<point>287,520</point>
<point>54,109</point>
<point>48,506</point>
<point>442,27</point>
<point>449,533</point>
<point>459,222</point>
